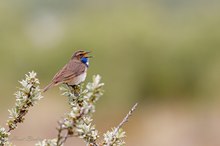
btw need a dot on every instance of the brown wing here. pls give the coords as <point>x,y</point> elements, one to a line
<point>69,71</point>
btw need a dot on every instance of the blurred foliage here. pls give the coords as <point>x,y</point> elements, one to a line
<point>151,50</point>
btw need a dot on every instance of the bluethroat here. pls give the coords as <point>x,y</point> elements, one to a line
<point>73,73</point>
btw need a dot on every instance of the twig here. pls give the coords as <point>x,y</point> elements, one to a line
<point>26,96</point>
<point>22,112</point>
<point>125,119</point>
<point>60,138</point>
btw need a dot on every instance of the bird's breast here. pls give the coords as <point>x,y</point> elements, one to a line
<point>79,79</point>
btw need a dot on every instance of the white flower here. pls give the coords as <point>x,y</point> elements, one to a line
<point>3,136</point>
<point>45,142</point>
<point>114,139</point>
<point>87,132</point>
<point>74,112</point>
<point>13,113</point>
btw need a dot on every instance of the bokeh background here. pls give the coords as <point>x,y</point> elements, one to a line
<point>163,54</point>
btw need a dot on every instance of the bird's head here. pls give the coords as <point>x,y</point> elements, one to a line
<point>83,56</point>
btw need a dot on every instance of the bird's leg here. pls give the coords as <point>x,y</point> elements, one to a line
<point>76,90</point>
<point>71,87</point>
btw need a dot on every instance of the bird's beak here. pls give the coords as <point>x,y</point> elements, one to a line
<point>86,54</point>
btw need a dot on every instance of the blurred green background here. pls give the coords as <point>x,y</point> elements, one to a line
<point>164,54</point>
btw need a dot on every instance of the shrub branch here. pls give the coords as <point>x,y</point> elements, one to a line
<point>76,123</point>
<point>27,95</point>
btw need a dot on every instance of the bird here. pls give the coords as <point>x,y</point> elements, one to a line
<point>74,72</point>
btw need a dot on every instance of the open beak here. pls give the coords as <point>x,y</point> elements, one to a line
<point>86,54</point>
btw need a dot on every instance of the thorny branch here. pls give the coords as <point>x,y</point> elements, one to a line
<point>125,119</point>
<point>77,123</point>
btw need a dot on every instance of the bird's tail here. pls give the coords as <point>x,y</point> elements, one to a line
<point>48,87</point>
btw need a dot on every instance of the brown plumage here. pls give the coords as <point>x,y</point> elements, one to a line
<point>73,73</point>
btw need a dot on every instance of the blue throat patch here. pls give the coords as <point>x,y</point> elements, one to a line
<point>85,61</point>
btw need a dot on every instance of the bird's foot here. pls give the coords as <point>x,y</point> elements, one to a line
<point>75,90</point>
